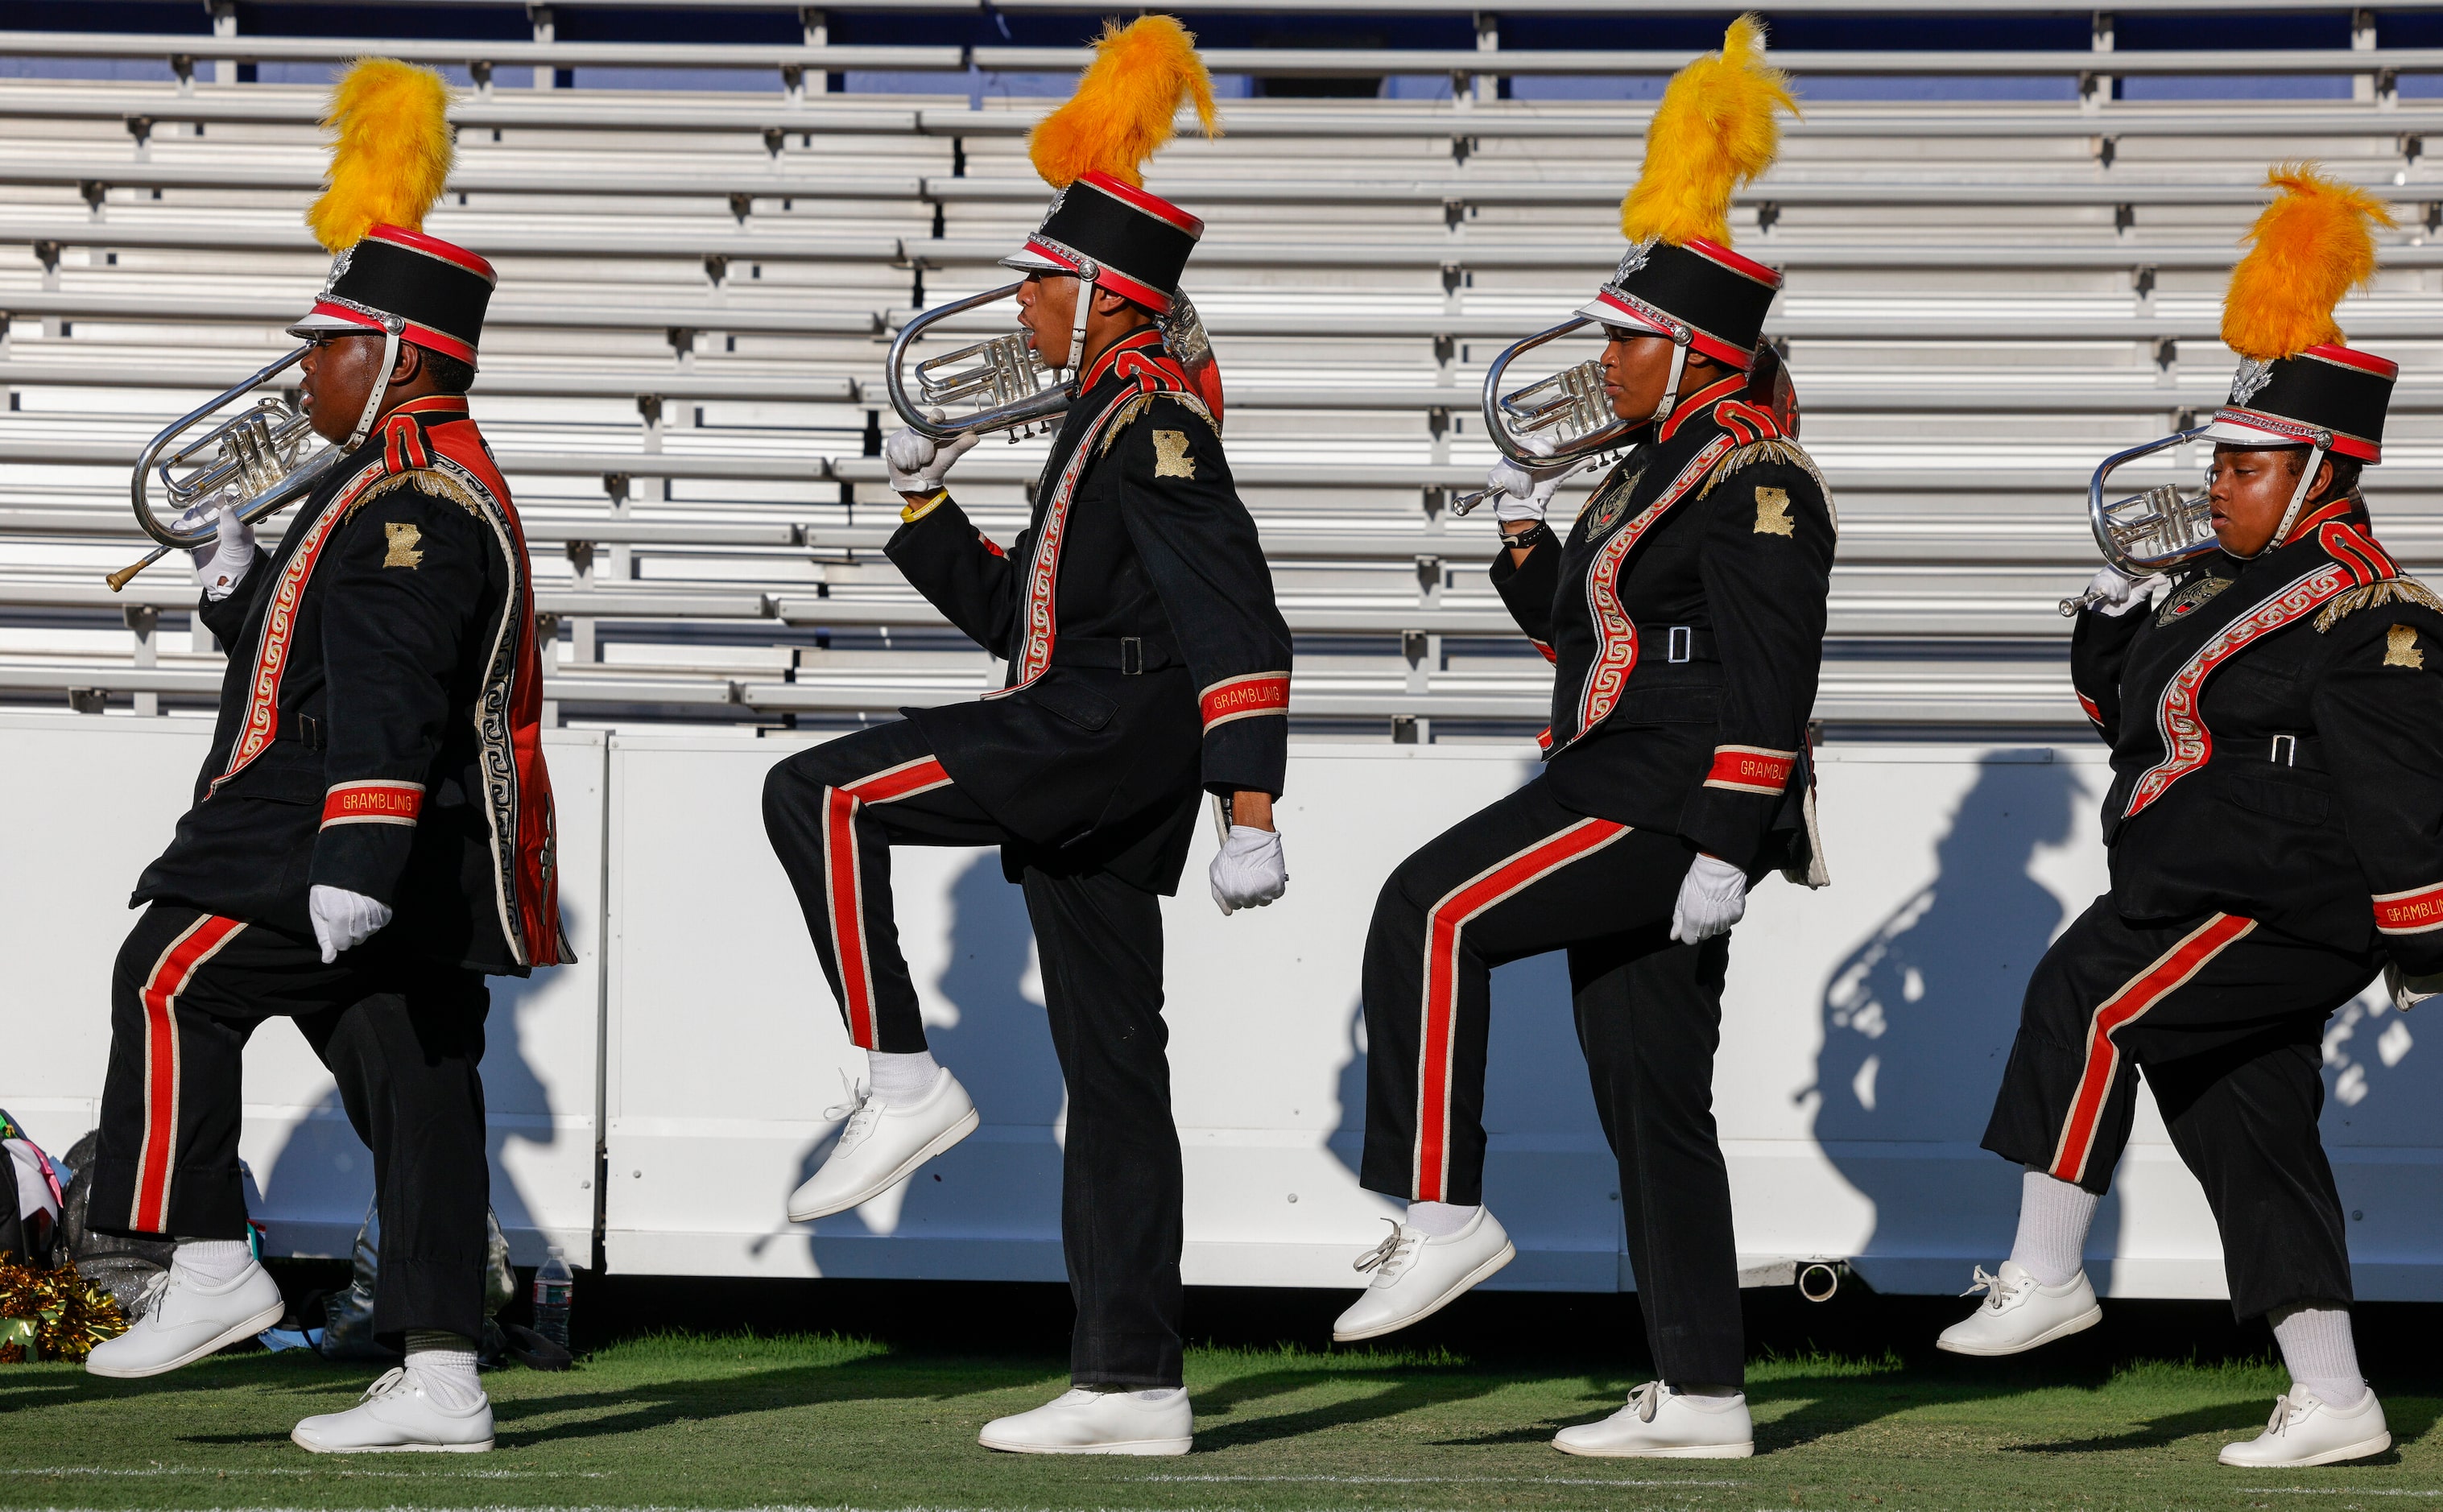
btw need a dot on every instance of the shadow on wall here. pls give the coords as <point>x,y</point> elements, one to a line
<point>323,1174</point>
<point>1918,1021</point>
<point>985,1022</point>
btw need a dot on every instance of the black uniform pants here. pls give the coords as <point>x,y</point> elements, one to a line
<point>403,1038</point>
<point>834,812</point>
<point>2225,1019</point>
<point>1519,879</point>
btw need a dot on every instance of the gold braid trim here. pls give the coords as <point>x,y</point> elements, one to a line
<point>432,480</point>
<point>2390,590</point>
<point>1773,448</point>
<point>1135,404</point>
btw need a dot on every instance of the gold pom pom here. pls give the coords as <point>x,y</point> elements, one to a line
<point>2314,245</point>
<point>392,154</point>
<point>1713,132</point>
<point>1123,104</point>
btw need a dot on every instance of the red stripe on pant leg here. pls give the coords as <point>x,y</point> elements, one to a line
<point>1439,1033</point>
<point>2149,987</point>
<point>903,781</point>
<point>847,900</point>
<point>157,1154</point>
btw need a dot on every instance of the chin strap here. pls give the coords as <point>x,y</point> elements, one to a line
<point>1671,386</point>
<point>2298,501</point>
<point>1078,329</point>
<point>391,330</point>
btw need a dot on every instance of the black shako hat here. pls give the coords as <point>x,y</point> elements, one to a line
<point>1134,244</point>
<point>2330,396</point>
<point>1700,293</point>
<point>436,292</point>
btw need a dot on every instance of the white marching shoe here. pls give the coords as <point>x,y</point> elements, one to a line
<point>400,1417</point>
<point>2307,1430</point>
<point>1417,1275</point>
<point>185,1320</point>
<point>1089,1422</point>
<point>2018,1314</point>
<point>883,1145</point>
<point>1661,1424</point>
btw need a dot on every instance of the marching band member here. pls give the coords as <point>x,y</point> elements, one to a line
<point>2274,709</point>
<point>1684,614</point>
<point>1148,666</point>
<point>371,831</point>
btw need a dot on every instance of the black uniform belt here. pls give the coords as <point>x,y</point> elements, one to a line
<point>1127,655</point>
<point>2303,752</point>
<point>1675,643</point>
<point>305,729</point>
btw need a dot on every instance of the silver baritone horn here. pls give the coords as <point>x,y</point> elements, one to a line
<point>1001,384</point>
<point>259,459</point>
<point>2147,531</point>
<point>1569,408</point>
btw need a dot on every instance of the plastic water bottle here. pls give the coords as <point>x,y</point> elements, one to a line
<point>554,1284</point>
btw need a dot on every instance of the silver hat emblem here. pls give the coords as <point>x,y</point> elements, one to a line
<point>2250,381</point>
<point>338,267</point>
<point>1632,259</point>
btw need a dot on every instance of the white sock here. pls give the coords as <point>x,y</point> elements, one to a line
<point>900,1078</point>
<point>446,1362</point>
<point>2053,1219</point>
<point>212,1263</point>
<point>1440,1220</point>
<point>1167,1394</point>
<point>2317,1346</point>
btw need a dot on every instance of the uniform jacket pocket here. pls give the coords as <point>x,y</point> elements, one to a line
<point>1081,706</point>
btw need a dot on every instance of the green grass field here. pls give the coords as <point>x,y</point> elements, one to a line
<point>696,1422</point>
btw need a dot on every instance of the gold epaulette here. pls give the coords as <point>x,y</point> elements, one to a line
<point>1773,448</point>
<point>432,480</point>
<point>2390,590</point>
<point>1135,404</point>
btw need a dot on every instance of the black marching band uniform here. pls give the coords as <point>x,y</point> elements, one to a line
<point>1148,666</point>
<point>2275,826</point>
<point>379,732</point>
<point>1683,613</point>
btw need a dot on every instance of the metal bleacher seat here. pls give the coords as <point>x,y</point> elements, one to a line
<point>683,374</point>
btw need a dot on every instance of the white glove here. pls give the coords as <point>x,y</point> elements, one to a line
<point>1713,896</point>
<point>917,464</point>
<point>2407,990</point>
<point>1525,493</point>
<point>2116,592</point>
<point>343,920</point>
<point>221,562</point>
<point>1248,871</point>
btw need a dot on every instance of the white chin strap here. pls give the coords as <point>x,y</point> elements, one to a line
<point>1078,329</point>
<point>1671,386</point>
<point>2298,501</point>
<point>382,385</point>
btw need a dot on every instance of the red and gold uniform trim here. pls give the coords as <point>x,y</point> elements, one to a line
<point>373,800</point>
<point>1751,769</point>
<point>1243,698</point>
<point>2418,911</point>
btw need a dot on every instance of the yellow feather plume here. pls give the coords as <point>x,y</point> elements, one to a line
<point>392,154</point>
<point>2314,245</point>
<point>1714,131</point>
<point>1123,104</point>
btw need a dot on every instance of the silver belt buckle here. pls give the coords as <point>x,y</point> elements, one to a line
<point>1680,643</point>
<point>2285,752</point>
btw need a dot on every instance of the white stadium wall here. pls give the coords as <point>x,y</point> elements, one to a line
<point>1865,1029</point>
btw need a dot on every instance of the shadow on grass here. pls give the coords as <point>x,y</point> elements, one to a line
<point>1834,1396</point>
<point>2410,1418</point>
<point>655,1404</point>
<point>1403,1388</point>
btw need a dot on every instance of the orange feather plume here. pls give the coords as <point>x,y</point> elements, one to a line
<point>1123,104</point>
<point>2314,245</point>
<point>1714,131</point>
<point>392,154</point>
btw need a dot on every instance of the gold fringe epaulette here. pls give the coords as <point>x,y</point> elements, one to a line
<point>2390,590</point>
<point>432,480</point>
<point>1136,403</point>
<point>1773,448</point>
